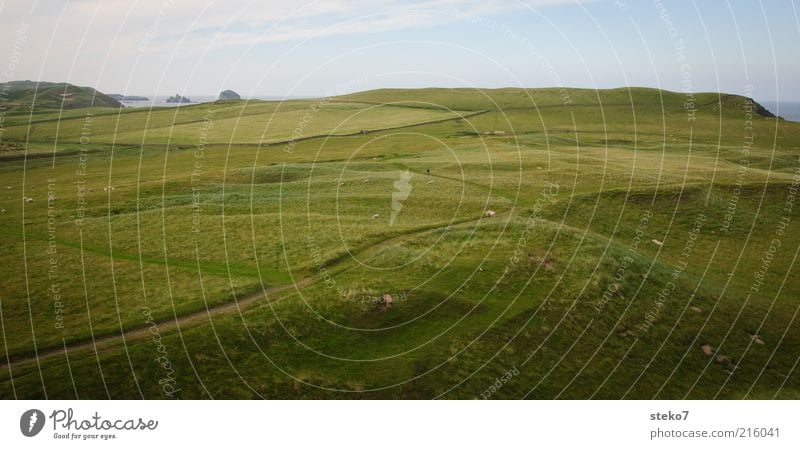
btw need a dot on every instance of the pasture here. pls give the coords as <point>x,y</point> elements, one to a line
<point>641,247</point>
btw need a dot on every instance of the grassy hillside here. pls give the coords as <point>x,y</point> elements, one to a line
<point>240,249</point>
<point>26,96</point>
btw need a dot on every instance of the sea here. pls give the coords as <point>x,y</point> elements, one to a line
<point>789,110</point>
<point>161,100</point>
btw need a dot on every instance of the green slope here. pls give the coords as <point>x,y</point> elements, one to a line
<point>23,96</point>
<point>201,224</point>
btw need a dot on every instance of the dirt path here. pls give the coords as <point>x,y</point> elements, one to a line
<point>138,333</point>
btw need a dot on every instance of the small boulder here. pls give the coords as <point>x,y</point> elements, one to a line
<point>490,213</point>
<point>657,242</point>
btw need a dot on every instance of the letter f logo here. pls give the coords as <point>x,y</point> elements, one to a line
<point>31,422</point>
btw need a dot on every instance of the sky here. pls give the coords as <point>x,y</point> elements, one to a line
<point>327,47</point>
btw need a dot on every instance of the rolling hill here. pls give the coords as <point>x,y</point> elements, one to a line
<point>641,244</point>
<point>18,96</point>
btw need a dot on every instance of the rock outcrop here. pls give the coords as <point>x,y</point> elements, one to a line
<point>228,95</point>
<point>177,98</point>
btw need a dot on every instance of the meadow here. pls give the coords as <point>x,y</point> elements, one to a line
<point>626,243</point>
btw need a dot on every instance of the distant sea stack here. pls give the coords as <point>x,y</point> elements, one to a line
<point>228,95</point>
<point>178,98</point>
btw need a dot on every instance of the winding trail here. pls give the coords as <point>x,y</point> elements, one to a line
<point>198,317</point>
<point>141,332</point>
<point>191,319</point>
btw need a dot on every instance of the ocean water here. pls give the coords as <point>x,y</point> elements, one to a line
<point>161,100</point>
<point>789,110</point>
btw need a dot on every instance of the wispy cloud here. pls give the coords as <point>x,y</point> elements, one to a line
<point>237,22</point>
<point>330,17</point>
<point>103,38</point>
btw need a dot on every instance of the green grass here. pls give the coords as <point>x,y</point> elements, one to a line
<point>32,98</point>
<point>210,206</point>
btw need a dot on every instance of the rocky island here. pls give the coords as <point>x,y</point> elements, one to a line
<point>228,95</point>
<point>177,98</point>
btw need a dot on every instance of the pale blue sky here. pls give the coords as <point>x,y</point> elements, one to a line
<point>284,47</point>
